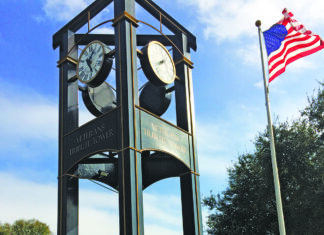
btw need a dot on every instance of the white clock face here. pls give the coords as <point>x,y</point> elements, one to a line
<point>90,61</point>
<point>161,62</point>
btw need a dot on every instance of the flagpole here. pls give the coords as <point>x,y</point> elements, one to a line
<point>272,145</point>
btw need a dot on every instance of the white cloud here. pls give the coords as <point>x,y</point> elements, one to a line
<point>26,200</point>
<point>29,121</point>
<point>250,54</point>
<point>286,106</point>
<point>221,20</point>
<point>103,30</point>
<point>30,115</point>
<point>158,230</point>
<point>221,141</point>
<point>27,115</point>
<point>259,85</point>
<point>229,20</point>
<point>225,20</point>
<point>163,208</point>
<point>214,140</point>
<point>214,164</point>
<point>299,65</point>
<point>64,10</point>
<point>210,136</point>
<point>39,19</point>
<point>98,210</point>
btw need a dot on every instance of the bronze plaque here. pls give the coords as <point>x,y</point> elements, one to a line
<point>159,135</point>
<point>98,135</point>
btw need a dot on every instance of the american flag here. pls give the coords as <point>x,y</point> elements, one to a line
<point>287,41</point>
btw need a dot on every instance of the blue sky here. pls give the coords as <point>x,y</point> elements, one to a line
<point>228,89</point>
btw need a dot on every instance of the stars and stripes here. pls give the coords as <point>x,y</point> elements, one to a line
<point>287,41</point>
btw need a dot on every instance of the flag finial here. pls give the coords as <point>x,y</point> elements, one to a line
<point>258,23</point>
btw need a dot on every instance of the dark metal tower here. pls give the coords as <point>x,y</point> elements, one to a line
<point>137,147</point>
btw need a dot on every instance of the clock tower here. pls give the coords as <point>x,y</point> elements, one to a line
<point>129,144</point>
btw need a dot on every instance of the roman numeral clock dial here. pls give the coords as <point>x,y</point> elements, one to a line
<point>94,64</point>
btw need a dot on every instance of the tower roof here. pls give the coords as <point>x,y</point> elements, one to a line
<point>97,6</point>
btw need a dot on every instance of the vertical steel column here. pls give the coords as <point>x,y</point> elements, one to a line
<point>190,195</point>
<point>129,159</point>
<point>68,187</point>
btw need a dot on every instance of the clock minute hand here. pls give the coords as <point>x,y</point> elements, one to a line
<point>89,64</point>
<point>91,55</point>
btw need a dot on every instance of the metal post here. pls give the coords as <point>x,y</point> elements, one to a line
<point>272,145</point>
<point>68,187</point>
<point>129,159</point>
<point>190,195</point>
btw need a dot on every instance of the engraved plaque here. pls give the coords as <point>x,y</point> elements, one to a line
<point>162,136</point>
<point>98,135</point>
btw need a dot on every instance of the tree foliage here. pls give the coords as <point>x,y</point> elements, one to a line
<point>248,205</point>
<point>25,227</point>
<point>315,111</point>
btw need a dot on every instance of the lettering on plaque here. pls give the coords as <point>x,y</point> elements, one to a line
<point>90,138</point>
<point>165,137</point>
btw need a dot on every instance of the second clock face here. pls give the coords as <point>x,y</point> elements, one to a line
<point>157,64</point>
<point>90,61</point>
<point>161,62</point>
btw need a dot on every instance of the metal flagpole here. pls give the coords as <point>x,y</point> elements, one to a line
<point>272,145</point>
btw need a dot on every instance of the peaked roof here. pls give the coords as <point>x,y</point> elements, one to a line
<point>97,6</point>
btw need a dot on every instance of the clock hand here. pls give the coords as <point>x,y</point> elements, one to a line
<point>89,64</point>
<point>90,58</point>
<point>91,55</point>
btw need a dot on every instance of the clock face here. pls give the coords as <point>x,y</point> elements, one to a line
<point>161,62</point>
<point>90,61</point>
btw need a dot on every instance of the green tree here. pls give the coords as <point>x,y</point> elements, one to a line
<point>5,229</point>
<point>25,227</point>
<point>248,205</point>
<point>315,111</point>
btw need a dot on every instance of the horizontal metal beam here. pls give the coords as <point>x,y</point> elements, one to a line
<point>80,20</point>
<point>109,39</point>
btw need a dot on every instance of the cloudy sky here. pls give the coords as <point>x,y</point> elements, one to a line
<point>228,91</point>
